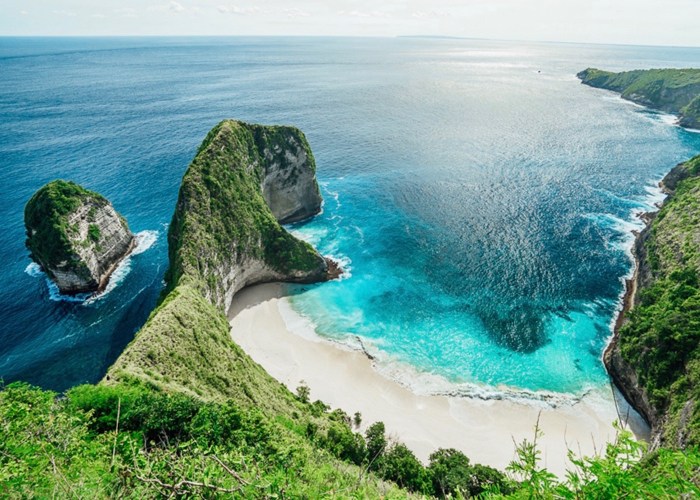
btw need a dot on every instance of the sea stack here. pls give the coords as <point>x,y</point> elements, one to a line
<point>76,236</point>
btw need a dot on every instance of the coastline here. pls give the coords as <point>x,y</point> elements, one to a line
<point>286,346</point>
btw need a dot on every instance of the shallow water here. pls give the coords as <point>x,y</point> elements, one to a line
<point>480,197</point>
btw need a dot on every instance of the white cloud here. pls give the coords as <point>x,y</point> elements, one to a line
<point>126,12</point>
<point>240,11</point>
<point>176,6</point>
<point>365,14</point>
<point>295,13</point>
<point>422,14</point>
<point>98,16</point>
<point>23,12</point>
<point>65,13</point>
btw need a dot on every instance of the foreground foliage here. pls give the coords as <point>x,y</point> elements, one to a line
<point>136,442</point>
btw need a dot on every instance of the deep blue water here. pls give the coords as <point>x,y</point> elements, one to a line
<point>481,197</point>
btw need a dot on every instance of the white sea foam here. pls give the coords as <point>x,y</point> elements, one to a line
<point>144,241</point>
<point>345,263</point>
<point>649,203</point>
<point>424,383</point>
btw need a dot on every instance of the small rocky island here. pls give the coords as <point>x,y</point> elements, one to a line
<point>675,91</point>
<point>76,236</point>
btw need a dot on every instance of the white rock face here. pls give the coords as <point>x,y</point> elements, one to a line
<point>100,239</point>
<point>289,186</point>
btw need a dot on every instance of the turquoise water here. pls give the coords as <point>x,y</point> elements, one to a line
<point>480,197</point>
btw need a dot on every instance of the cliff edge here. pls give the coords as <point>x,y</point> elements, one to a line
<point>654,355</point>
<point>76,236</point>
<point>225,234</point>
<point>675,91</point>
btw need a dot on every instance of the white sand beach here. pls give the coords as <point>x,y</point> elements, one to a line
<point>284,343</point>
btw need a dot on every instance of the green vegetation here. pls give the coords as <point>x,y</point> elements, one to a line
<point>135,441</point>
<point>671,90</point>
<point>661,339</point>
<point>94,233</point>
<point>46,218</point>
<point>221,214</point>
<point>690,115</point>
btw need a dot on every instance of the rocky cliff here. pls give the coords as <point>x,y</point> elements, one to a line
<point>76,236</point>
<point>675,91</point>
<point>226,234</point>
<point>654,356</point>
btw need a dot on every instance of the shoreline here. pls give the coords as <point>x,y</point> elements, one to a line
<point>285,344</point>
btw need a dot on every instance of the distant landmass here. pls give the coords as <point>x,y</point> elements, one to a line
<point>675,91</point>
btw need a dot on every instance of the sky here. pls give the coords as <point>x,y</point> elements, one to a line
<point>638,22</point>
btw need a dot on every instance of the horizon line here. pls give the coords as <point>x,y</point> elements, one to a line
<point>425,37</point>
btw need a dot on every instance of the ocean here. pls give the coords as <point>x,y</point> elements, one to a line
<point>480,198</point>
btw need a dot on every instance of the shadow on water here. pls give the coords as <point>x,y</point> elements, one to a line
<point>520,329</point>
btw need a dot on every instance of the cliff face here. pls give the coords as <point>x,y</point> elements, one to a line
<point>654,356</point>
<point>675,91</point>
<point>289,173</point>
<point>226,233</point>
<point>76,236</point>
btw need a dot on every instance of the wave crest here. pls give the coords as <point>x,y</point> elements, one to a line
<point>144,241</point>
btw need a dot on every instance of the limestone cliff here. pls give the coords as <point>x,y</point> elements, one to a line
<point>76,236</point>
<point>654,356</point>
<point>226,234</point>
<point>675,91</point>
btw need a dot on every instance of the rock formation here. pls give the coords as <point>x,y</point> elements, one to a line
<point>225,234</point>
<point>76,236</point>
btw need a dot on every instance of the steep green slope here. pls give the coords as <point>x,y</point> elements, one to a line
<point>186,347</point>
<point>221,230</point>
<point>671,90</point>
<point>659,342</point>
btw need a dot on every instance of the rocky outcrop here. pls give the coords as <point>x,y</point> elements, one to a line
<point>225,234</point>
<point>675,91</point>
<point>76,236</point>
<point>289,183</point>
<point>622,373</point>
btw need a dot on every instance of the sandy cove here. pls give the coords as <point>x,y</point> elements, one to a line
<point>284,343</point>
